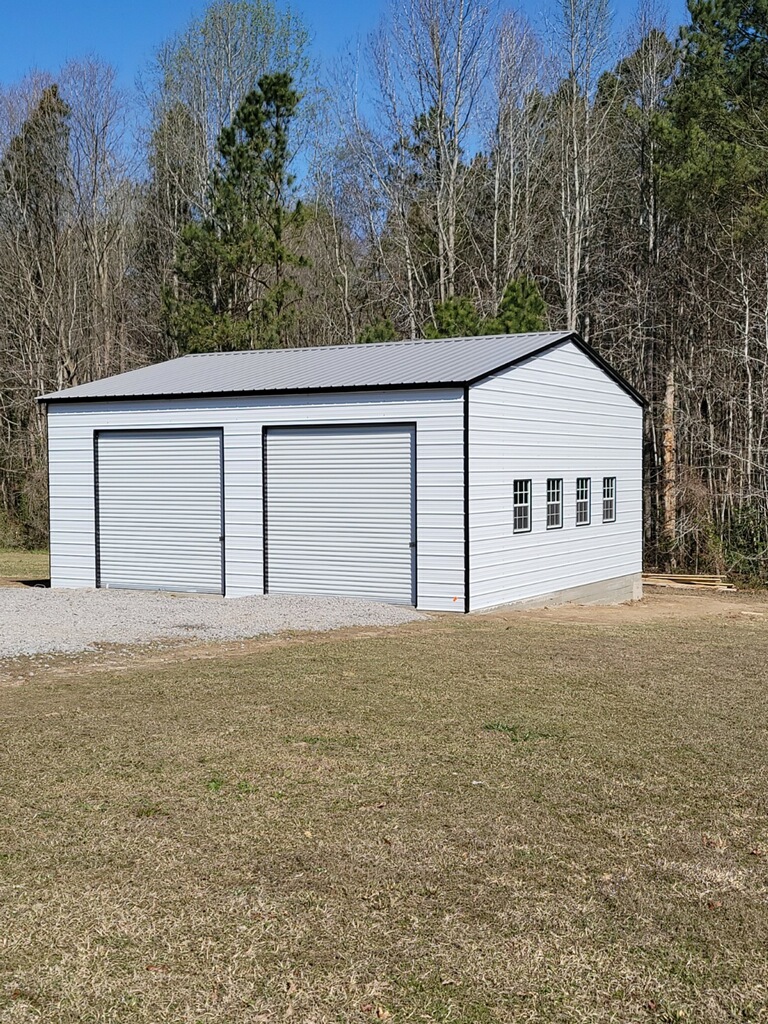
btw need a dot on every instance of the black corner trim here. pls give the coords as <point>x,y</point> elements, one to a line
<point>264,545</point>
<point>96,521</point>
<point>223,535</point>
<point>466,501</point>
<point>48,490</point>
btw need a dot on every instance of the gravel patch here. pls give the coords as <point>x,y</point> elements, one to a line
<point>41,621</point>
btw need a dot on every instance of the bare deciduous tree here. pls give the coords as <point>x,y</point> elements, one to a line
<point>580,32</point>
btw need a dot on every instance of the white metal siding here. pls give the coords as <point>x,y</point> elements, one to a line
<point>561,416</point>
<point>438,414</point>
<point>160,510</point>
<point>340,512</point>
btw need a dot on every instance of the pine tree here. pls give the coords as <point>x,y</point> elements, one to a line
<point>38,347</point>
<point>454,318</point>
<point>234,263</point>
<point>34,191</point>
<point>34,170</point>
<point>375,333</point>
<point>715,130</point>
<point>521,309</point>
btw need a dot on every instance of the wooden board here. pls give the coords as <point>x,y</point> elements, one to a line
<point>686,582</point>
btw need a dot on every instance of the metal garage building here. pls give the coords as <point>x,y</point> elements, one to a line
<point>456,474</point>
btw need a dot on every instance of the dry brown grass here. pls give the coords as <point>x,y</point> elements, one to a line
<point>17,565</point>
<point>509,818</point>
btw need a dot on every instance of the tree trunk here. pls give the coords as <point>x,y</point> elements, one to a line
<point>669,463</point>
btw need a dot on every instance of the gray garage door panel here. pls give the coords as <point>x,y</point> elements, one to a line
<point>160,516</point>
<point>340,512</point>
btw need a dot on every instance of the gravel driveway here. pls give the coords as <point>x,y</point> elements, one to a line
<point>40,621</point>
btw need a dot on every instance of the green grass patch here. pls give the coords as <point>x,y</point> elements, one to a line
<point>17,564</point>
<point>562,822</point>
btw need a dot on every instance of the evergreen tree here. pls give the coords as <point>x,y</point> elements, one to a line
<point>381,330</point>
<point>454,318</point>
<point>34,170</point>
<point>163,214</point>
<point>34,193</point>
<point>234,263</point>
<point>715,129</point>
<point>521,309</point>
<point>38,346</point>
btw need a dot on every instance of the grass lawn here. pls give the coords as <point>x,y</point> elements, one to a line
<point>520,818</point>
<point>16,564</point>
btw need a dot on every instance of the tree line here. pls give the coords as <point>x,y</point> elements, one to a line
<point>462,171</point>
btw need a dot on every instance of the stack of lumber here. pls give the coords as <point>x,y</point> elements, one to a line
<point>661,579</point>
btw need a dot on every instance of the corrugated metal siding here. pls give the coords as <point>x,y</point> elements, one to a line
<point>391,364</point>
<point>556,416</point>
<point>160,510</point>
<point>437,413</point>
<point>340,512</point>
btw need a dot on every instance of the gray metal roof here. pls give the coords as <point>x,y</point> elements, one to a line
<point>447,361</point>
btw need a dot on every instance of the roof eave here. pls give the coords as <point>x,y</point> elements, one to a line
<point>330,389</point>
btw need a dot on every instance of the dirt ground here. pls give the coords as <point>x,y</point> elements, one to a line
<point>659,606</point>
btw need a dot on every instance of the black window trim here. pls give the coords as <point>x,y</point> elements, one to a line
<point>588,520</point>
<point>561,503</point>
<point>613,499</point>
<point>529,505</point>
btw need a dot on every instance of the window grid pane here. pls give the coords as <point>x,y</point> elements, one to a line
<point>609,499</point>
<point>582,501</point>
<point>554,504</point>
<point>521,506</point>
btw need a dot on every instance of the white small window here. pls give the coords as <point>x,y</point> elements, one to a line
<point>609,499</point>
<point>521,506</point>
<point>554,504</point>
<point>583,513</point>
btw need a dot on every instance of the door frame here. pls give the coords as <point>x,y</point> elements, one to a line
<point>354,425</point>
<point>153,431</point>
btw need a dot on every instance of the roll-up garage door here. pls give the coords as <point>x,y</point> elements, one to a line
<point>340,511</point>
<point>159,510</point>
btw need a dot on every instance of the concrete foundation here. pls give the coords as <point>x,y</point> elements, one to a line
<point>616,591</point>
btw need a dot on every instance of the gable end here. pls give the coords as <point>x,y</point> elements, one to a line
<point>587,350</point>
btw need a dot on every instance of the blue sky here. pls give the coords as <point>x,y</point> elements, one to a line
<point>49,32</point>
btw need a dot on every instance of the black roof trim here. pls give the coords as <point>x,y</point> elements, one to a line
<point>588,351</point>
<point>166,397</point>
